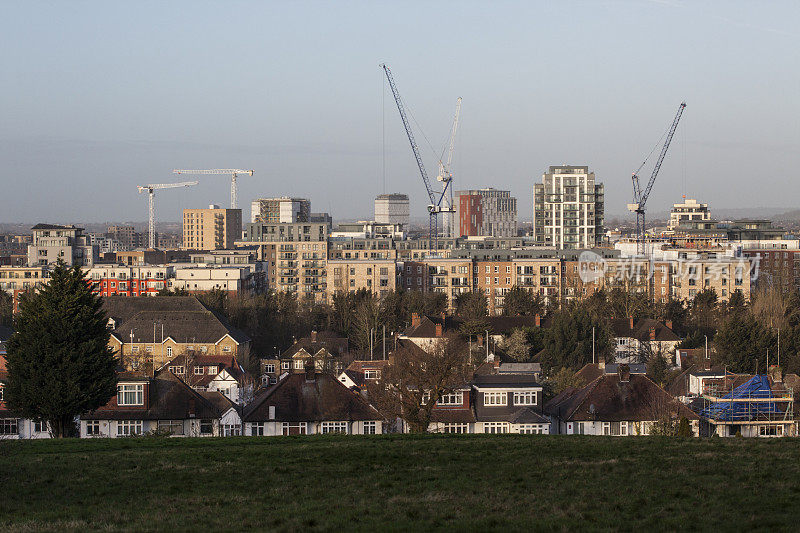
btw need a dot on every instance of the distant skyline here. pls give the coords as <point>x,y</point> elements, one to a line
<point>103,96</point>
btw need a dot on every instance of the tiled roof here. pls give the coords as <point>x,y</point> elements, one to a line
<point>169,399</point>
<point>184,319</point>
<point>504,380</point>
<point>329,341</point>
<point>297,399</point>
<point>608,399</point>
<point>621,327</point>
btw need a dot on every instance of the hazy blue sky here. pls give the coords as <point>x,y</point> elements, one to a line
<point>101,96</point>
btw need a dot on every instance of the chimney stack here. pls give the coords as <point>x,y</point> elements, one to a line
<point>652,333</point>
<point>415,320</point>
<point>630,322</point>
<point>624,372</point>
<point>313,336</point>
<point>439,330</point>
<point>538,320</point>
<point>669,324</point>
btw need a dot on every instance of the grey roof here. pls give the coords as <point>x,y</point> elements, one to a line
<point>504,380</point>
<point>519,368</point>
<point>54,226</point>
<point>184,318</point>
<point>635,368</point>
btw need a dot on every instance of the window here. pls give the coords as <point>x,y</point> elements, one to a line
<point>130,394</point>
<point>129,427</point>
<point>531,429</point>
<point>294,428</point>
<point>454,398</point>
<point>370,427</point>
<point>299,364</point>
<point>525,398</point>
<point>455,428</point>
<point>334,427</point>
<point>606,428</point>
<point>495,398</point>
<point>286,365</point>
<point>9,426</point>
<point>199,370</point>
<point>93,427</point>
<point>231,430</point>
<point>372,374</point>
<point>39,426</point>
<point>226,348</point>
<point>269,368</point>
<point>495,427</point>
<point>173,427</point>
<point>770,431</point>
<point>206,427</point>
<point>178,370</point>
<point>258,429</point>
<point>212,371</point>
<point>169,351</point>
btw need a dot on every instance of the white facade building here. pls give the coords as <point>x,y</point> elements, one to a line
<point>689,210</point>
<point>392,209</point>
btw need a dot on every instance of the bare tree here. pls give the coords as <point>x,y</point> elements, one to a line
<point>415,380</point>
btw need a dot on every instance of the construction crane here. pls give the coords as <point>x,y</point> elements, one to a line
<point>232,172</point>
<point>446,174</point>
<point>436,198</point>
<point>640,197</point>
<point>151,190</point>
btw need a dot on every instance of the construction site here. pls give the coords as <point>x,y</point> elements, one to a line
<point>760,405</point>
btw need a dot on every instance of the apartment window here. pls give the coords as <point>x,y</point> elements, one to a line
<point>454,398</point>
<point>9,426</point>
<point>488,269</point>
<point>269,368</point>
<point>259,429</point>
<point>294,428</point>
<point>495,427</point>
<point>173,427</point>
<point>370,427</point>
<point>525,398</point>
<point>508,270</point>
<point>334,427</point>
<point>206,426</point>
<point>495,398</point>
<point>130,394</point>
<point>455,428</point>
<point>231,430</point>
<point>93,427</point>
<point>129,427</point>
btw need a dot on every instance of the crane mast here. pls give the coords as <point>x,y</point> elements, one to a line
<point>640,197</point>
<point>232,172</point>
<point>150,189</point>
<point>436,198</point>
<point>446,174</point>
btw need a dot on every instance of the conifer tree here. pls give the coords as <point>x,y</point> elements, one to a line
<point>59,362</point>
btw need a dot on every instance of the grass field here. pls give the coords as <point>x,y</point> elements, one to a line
<point>472,482</point>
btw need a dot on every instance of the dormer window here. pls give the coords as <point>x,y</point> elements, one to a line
<point>130,394</point>
<point>525,398</point>
<point>495,398</point>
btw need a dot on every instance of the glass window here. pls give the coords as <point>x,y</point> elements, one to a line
<point>231,430</point>
<point>9,426</point>
<point>130,394</point>
<point>495,427</point>
<point>454,398</point>
<point>258,429</point>
<point>206,427</point>
<point>495,398</point>
<point>370,427</point>
<point>93,427</point>
<point>174,427</point>
<point>525,398</point>
<point>129,427</point>
<point>334,427</point>
<point>455,428</point>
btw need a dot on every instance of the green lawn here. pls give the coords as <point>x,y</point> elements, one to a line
<point>473,482</point>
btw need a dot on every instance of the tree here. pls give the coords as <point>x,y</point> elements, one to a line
<point>520,302</point>
<point>59,362</point>
<point>472,309</point>
<point>684,428</point>
<point>6,308</point>
<point>416,379</point>
<point>742,343</point>
<point>558,381</point>
<point>568,341</point>
<point>516,345</point>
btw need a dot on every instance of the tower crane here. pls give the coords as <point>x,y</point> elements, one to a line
<point>436,198</point>
<point>446,174</point>
<point>640,197</point>
<point>151,190</point>
<point>232,172</point>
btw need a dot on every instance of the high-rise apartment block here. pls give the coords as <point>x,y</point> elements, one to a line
<point>568,208</point>
<point>214,228</point>
<point>689,210</point>
<point>392,209</point>
<point>123,235</point>
<point>486,212</point>
<point>52,242</point>
<point>280,210</point>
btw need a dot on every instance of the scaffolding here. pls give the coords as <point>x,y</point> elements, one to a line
<point>756,403</point>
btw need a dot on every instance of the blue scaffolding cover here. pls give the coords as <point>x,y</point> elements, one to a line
<point>756,387</point>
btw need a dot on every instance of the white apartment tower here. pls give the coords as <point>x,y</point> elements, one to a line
<point>568,208</point>
<point>392,209</point>
<point>689,210</point>
<point>283,209</point>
